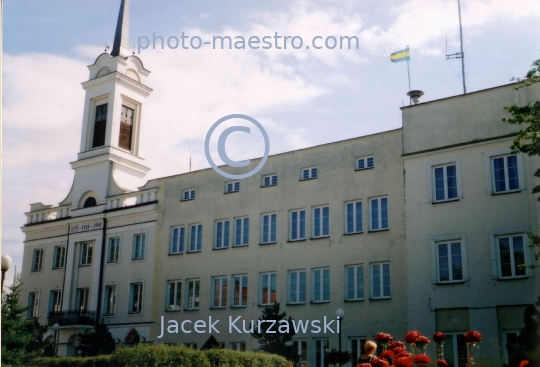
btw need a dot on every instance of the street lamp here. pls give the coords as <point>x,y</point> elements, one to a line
<point>339,314</point>
<point>56,327</point>
<point>6,264</point>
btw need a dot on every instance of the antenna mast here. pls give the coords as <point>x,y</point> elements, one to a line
<point>460,55</point>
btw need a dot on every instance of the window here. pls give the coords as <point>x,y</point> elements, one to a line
<point>510,338</point>
<point>379,214</point>
<point>241,236</point>
<point>445,182</point>
<point>219,292</point>
<point>55,301</point>
<point>297,286</point>
<point>298,225</point>
<point>114,250</point>
<point>321,221</point>
<point>380,280</point>
<point>139,246</point>
<point>233,187</point>
<point>267,289</point>
<point>37,260</point>
<point>240,290</point>
<point>450,264</point>
<point>309,173</point>
<point>126,128</point>
<point>86,253</point>
<point>82,298</point>
<point>321,285</point>
<point>505,174</point>
<point>178,235</point>
<point>269,223</point>
<point>241,346</point>
<point>59,257</point>
<point>135,298</point>
<point>301,348</point>
<point>353,212</point>
<point>110,300</point>
<point>100,125</point>
<point>354,282</point>
<point>511,255</point>
<point>90,202</point>
<point>174,296</point>
<point>455,350</point>
<point>356,345</point>
<point>33,304</point>
<point>192,299</point>
<point>322,347</point>
<point>365,163</point>
<point>188,195</point>
<point>195,237</point>
<point>269,180</point>
<point>222,234</point>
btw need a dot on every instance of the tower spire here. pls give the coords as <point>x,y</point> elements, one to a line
<point>121,35</point>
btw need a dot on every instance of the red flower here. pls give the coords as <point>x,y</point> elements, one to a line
<point>399,353</point>
<point>396,345</point>
<point>441,363</point>
<point>411,336</point>
<point>523,363</point>
<point>379,363</point>
<point>473,336</point>
<point>402,362</point>
<point>383,338</point>
<point>387,354</point>
<point>421,359</point>
<point>439,337</point>
<point>364,365</point>
<point>422,342</point>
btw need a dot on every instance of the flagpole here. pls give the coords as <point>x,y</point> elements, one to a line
<point>409,77</point>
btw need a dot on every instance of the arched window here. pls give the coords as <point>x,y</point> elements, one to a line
<point>91,201</point>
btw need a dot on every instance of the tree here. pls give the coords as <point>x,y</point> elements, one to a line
<point>526,346</point>
<point>335,357</point>
<point>276,333</point>
<point>22,339</point>
<point>97,342</point>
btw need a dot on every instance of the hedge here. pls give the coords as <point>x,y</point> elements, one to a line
<point>167,356</point>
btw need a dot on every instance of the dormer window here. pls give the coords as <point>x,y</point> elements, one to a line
<point>126,128</point>
<point>100,125</point>
<point>91,201</point>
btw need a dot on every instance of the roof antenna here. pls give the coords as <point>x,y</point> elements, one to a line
<point>459,55</point>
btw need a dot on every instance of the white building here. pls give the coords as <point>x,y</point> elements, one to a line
<point>401,230</point>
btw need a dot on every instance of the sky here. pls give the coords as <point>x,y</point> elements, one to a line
<point>303,97</point>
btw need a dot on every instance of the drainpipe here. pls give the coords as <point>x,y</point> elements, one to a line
<point>101,268</point>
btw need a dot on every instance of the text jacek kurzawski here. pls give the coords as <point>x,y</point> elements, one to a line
<point>239,325</point>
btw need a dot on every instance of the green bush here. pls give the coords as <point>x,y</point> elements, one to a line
<point>168,356</point>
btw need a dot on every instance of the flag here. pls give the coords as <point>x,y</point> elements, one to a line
<point>402,55</point>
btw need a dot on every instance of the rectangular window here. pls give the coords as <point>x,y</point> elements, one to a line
<point>365,163</point>
<point>322,347</point>
<point>505,174</point>
<point>233,187</point>
<point>82,299</point>
<point>298,225</point>
<point>110,300</point>
<point>114,250</point>
<point>301,348</point>
<point>455,350</point>
<point>240,346</point>
<point>356,348</point>
<point>37,260</point>
<point>270,180</point>
<point>195,237</point>
<point>188,195</point>
<point>174,296</point>
<point>219,292</point>
<point>135,298</point>
<point>55,301</point>
<point>297,286</point>
<point>354,282</point>
<point>268,230</point>
<point>33,304</point>
<point>379,214</point>
<point>321,221</point>
<point>309,173</point>
<point>100,126</point>
<point>222,234</point>
<point>86,253</point>
<point>240,290</point>
<point>59,257</point>
<point>321,285</point>
<point>450,261</point>
<point>178,235</point>
<point>267,289</point>
<point>126,128</point>
<point>139,246</point>
<point>353,212</point>
<point>511,256</point>
<point>241,236</point>
<point>510,338</point>
<point>192,299</point>
<point>445,182</point>
<point>380,280</point>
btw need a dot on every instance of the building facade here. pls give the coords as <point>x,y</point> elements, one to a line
<point>422,227</point>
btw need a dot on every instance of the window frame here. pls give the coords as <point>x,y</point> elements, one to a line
<point>177,295</point>
<point>355,268</point>
<point>313,173</point>
<point>62,250</point>
<point>298,228</point>
<point>495,252</point>
<point>195,296</point>
<point>314,223</point>
<point>381,282</point>
<point>270,216</point>
<point>225,234</point>
<point>37,267</point>
<point>519,167</point>
<point>359,342</point>
<point>505,333</point>
<point>191,195</point>
<point>271,179</point>
<point>141,250</point>
<point>113,241</point>
<point>221,292</point>
<point>181,240</point>
<point>355,217</point>
<point>445,166</point>
<point>238,346</point>
<point>140,302</point>
<point>323,350</point>
<point>83,294</point>
<point>33,311</point>
<point>435,242</point>
<point>322,292</point>
<point>454,335</point>
<point>380,215</point>
<point>198,237</point>
<point>271,284</point>
<point>242,277</point>
<point>234,188</point>
<point>106,300</point>
<point>298,288</point>
<point>365,159</point>
<point>52,299</point>
<point>86,260</point>
<point>244,231</point>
